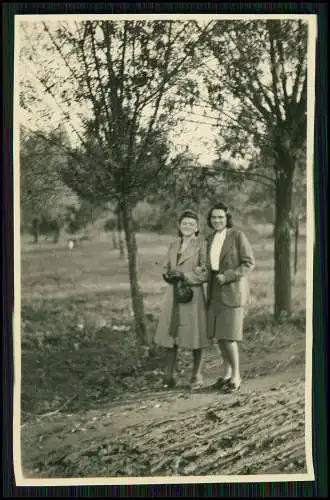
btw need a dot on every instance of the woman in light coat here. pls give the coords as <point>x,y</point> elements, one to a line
<point>184,325</point>
<point>230,260</point>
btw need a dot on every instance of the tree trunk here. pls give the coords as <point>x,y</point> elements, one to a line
<point>57,232</point>
<point>119,234</point>
<point>136,294</point>
<point>296,242</point>
<point>121,247</point>
<point>282,240</point>
<point>35,230</point>
<point>114,240</point>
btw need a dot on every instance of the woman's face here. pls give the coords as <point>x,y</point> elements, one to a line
<point>188,226</point>
<point>218,219</point>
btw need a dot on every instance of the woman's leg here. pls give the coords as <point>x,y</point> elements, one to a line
<point>171,361</point>
<point>231,348</point>
<point>197,364</point>
<point>227,374</point>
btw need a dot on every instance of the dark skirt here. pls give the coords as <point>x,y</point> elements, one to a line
<point>223,322</point>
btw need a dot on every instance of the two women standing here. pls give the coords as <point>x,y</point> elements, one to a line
<point>223,262</point>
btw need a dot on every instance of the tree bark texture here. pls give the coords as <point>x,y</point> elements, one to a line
<point>282,240</point>
<point>136,294</point>
<point>120,237</point>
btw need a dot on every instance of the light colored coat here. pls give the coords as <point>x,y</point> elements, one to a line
<point>190,332</point>
<point>236,262</point>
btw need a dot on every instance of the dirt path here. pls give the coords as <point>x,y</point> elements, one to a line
<point>260,429</point>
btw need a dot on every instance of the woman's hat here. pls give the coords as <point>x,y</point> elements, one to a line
<point>191,214</point>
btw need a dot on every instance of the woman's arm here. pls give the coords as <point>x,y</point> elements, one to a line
<point>200,274</point>
<point>246,257</point>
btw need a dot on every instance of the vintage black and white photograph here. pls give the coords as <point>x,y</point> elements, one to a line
<point>163,248</point>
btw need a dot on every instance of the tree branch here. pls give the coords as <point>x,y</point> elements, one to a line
<point>283,74</point>
<point>67,150</point>
<point>273,71</point>
<point>176,70</point>
<point>59,50</point>
<point>65,114</point>
<point>251,95</point>
<point>234,120</point>
<point>97,66</point>
<point>295,88</point>
<point>215,125</point>
<point>266,97</point>
<point>96,107</point>
<point>255,101</point>
<point>116,106</point>
<point>135,117</point>
<point>122,63</point>
<point>145,143</point>
<point>252,175</point>
<point>300,116</point>
<point>303,95</point>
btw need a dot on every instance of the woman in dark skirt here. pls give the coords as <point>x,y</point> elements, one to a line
<point>230,260</point>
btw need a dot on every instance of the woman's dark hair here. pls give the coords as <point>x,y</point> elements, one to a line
<point>220,206</point>
<point>189,214</point>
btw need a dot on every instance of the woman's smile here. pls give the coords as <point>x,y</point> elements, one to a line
<point>188,227</point>
<point>218,219</point>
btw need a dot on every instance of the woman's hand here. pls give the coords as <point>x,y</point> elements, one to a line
<point>166,278</point>
<point>221,279</point>
<point>175,274</point>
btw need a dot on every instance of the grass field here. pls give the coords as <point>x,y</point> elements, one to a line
<point>79,352</point>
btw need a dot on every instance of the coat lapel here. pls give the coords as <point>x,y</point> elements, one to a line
<point>226,245</point>
<point>209,244</point>
<point>189,251</point>
<point>173,253</point>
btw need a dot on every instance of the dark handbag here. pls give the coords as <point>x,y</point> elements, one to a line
<point>183,292</point>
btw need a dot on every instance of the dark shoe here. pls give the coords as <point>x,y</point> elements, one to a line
<point>196,382</point>
<point>221,383</point>
<point>231,387</point>
<point>169,383</point>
